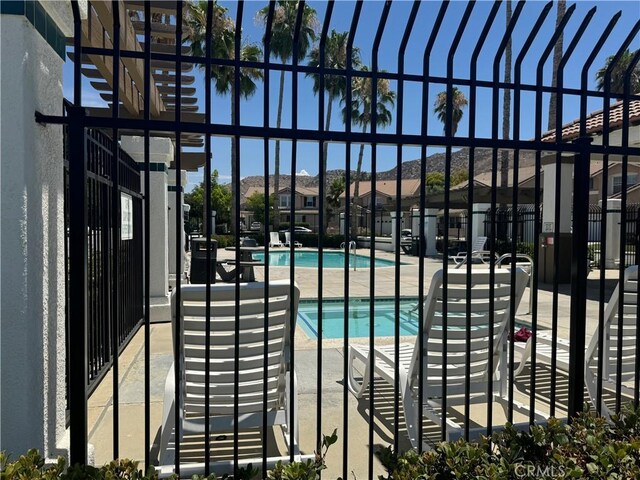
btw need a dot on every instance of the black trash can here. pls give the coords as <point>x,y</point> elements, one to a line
<point>415,247</point>
<point>546,258</point>
<point>198,272</point>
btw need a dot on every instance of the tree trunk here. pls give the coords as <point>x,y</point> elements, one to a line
<point>234,160</point>
<point>557,56</point>
<point>356,191</point>
<point>325,151</point>
<point>506,124</point>
<point>276,173</point>
<point>506,108</point>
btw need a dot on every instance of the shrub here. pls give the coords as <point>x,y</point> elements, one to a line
<point>311,240</point>
<point>32,467</point>
<point>225,240</point>
<point>590,447</point>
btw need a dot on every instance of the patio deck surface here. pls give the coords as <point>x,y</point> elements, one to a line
<point>131,394</point>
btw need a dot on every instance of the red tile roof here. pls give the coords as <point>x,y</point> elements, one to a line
<point>594,122</point>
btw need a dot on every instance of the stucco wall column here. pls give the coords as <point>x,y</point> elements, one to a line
<point>160,157</point>
<point>479,217</point>
<point>550,196</point>
<point>614,217</point>
<point>173,208</point>
<point>32,236</point>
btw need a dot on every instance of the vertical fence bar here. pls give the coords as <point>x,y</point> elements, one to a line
<point>623,238</point>
<point>178,225</point>
<point>625,143</point>
<point>323,151</point>
<point>292,219</point>
<point>208,233</point>
<point>473,69</point>
<point>266,223</point>
<point>449,132</point>
<point>347,233</point>
<point>579,270</point>
<point>601,218</point>
<point>494,184</point>
<point>147,239</point>
<point>399,127</point>
<point>422,240</point>
<point>116,309</point>
<point>605,207</point>
<point>539,83</point>
<point>78,260</point>
<point>516,135</point>
<point>236,178</point>
<point>372,245</point>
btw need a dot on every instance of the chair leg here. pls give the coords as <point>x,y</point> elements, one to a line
<point>292,385</point>
<point>355,387</point>
<point>168,421</point>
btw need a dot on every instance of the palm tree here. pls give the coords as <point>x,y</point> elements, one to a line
<point>506,105</point>
<point>332,200</point>
<point>335,57</point>
<point>557,57</point>
<point>440,108</point>
<point>361,109</point>
<point>282,31</point>
<point>617,74</point>
<point>223,77</point>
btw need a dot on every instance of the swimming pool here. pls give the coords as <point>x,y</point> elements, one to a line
<point>310,259</point>
<point>384,320</point>
<point>333,324</point>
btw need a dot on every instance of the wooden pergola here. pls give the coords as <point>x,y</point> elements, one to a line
<point>97,31</point>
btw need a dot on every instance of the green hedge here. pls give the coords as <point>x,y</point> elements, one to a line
<point>31,467</point>
<point>590,447</point>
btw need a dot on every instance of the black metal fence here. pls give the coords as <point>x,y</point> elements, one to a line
<point>624,243</point>
<point>109,323</point>
<point>519,228</point>
<point>456,318</point>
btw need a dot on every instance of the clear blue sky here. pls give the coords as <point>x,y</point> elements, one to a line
<point>251,155</point>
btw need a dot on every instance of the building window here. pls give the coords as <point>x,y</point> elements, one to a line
<point>591,185</point>
<point>309,201</point>
<point>285,200</point>
<point>632,180</point>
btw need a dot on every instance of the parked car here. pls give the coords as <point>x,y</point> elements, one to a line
<point>256,226</point>
<point>298,229</point>
<point>405,233</point>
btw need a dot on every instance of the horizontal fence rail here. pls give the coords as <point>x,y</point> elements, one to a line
<point>486,285</point>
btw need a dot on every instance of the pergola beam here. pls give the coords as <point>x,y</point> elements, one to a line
<point>128,41</point>
<point>94,34</point>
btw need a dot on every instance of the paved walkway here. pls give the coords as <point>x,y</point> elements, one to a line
<point>331,399</point>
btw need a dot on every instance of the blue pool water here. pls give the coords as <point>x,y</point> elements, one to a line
<point>384,321</point>
<point>333,324</point>
<point>310,259</point>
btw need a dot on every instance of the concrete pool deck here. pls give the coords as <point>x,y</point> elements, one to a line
<point>332,392</point>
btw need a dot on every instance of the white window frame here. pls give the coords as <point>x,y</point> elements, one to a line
<point>632,179</point>
<point>284,200</point>
<point>309,201</point>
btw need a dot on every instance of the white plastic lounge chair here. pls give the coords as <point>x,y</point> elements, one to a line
<point>275,240</point>
<point>544,342</point>
<point>281,377</point>
<point>287,240</point>
<point>544,351</point>
<point>612,337</point>
<point>477,251</point>
<point>456,348</point>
